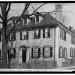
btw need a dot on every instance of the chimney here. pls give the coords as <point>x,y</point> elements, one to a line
<point>58,10</point>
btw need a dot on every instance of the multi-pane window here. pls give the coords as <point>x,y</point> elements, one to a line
<point>64,53</point>
<point>11,53</point>
<point>73,40</point>
<point>46,32</point>
<point>72,52</point>
<point>47,52</point>
<point>12,36</point>
<point>35,52</point>
<point>62,34</point>
<point>24,35</point>
<point>37,34</point>
<point>60,52</point>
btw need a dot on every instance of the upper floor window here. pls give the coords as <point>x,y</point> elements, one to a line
<point>73,40</point>
<point>46,32</point>
<point>62,34</point>
<point>47,52</point>
<point>37,34</point>
<point>12,36</point>
<point>35,52</point>
<point>24,35</point>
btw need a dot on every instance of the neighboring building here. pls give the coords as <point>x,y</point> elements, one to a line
<point>41,41</point>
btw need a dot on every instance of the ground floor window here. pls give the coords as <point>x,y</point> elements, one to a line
<point>60,52</point>
<point>47,51</point>
<point>72,52</point>
<point>64,53</point>
<point>35,52</point>
<point>11,53</point>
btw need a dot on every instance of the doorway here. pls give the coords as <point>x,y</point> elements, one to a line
<point>23,56</point>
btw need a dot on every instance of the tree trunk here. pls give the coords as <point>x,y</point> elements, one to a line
<point>4,47</point>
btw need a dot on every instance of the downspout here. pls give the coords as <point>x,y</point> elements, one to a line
<point>54,47</point>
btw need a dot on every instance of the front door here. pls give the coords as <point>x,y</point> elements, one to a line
<point>23,56</point>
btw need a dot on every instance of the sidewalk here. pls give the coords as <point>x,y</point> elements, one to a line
<point>70,68</point>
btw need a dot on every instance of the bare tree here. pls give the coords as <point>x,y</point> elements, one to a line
<point>5,9</point>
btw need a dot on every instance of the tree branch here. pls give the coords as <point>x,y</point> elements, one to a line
<point>37,9</point>
<point>1,17</point>
<point>1,22</point>
<point>24,10</point>
<point>8,9</point>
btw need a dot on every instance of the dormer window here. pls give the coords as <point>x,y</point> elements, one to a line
<point>24,21</point>
<point>37,18</point>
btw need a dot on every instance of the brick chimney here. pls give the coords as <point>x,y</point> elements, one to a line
<point>58,12</point>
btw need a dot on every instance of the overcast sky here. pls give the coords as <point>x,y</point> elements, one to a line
<point>67,8</point>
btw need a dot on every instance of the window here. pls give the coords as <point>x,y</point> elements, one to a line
<point>35,52</point>
<point>37,34</point>
<point>60,52</point>
<point>65,53</point>
<point>47,52</point>
<point>12,37</point>
<point>37,18</point>
<point>46,32</point>
<point>24,35</point>
<point>73,40</point>
<point>11,53</point>
<point>71,52</point>
<point>62,34</point>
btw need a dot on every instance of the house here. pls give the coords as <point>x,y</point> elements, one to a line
<point>41,41</point>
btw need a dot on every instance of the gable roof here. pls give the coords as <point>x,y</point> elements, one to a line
<point>46,21</point>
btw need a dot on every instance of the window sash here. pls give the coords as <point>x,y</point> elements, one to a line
<point>46,32</point>
<point>24,35</point>
<point>60,52</point>
<point>36,34</point>
<point>47,52</point>
<point>35,52</point>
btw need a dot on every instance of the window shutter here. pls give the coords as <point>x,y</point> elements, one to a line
<point>44,33</point>
<point>14,52</point>
<point>20,35</point>
<point>39,33</point>
<point>51,51</point>
<point>43,51</point>
<point>38,52</point>
<point>14,36</point>
<point>9,54</point>
<point>0,36</point>
<point>32,53</point>
<point>27,35</point>
<point>48,32</point>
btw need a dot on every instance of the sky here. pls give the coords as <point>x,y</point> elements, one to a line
<point>68,11</point>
